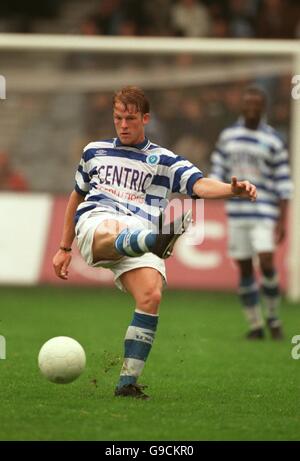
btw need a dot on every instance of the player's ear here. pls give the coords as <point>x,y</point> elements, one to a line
<point>146,118</point>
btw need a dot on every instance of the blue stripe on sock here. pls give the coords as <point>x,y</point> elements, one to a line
<point>269,274</point>
<point>125,380</point>
<point>136,349</point>
<point>150,240</point>
<point>250,297</point>
<point>271,292</point>
<point>120,240</point>
<point>134,242</point>
<point>247,281</point>
<point>145,321</point>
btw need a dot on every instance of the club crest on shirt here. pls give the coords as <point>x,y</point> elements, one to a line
<point>152,159</point>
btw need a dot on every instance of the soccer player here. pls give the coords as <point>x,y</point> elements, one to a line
<point>114,212</point>
<point>252,149</point>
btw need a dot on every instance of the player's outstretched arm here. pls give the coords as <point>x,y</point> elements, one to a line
<point>214,189</point>
<point>62,258</point>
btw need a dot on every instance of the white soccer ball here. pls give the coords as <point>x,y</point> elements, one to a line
<point>61,359</point>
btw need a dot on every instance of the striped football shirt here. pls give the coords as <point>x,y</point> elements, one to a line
<point>132,180</point>
<point>260,157</point>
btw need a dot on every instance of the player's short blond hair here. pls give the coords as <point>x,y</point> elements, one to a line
<point>132,95</point>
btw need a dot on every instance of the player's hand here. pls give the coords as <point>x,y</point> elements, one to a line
<point>279,232</point>
<point>243,189</point>
<point>61,262</point>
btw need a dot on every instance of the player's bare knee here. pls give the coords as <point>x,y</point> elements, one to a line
<point>104,239</point>
<point>150,300</point>
<point>107,230</point>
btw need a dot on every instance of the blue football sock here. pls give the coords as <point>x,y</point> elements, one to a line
<point>138,342</point>
<point>135,242</point>
<point>249,295</point>
<point>271,293</point>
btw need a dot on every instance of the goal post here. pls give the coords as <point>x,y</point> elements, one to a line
<point>294,247</point>
<point>286,50</point>
<point>147,45</point>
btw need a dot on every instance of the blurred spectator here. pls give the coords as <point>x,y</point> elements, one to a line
<point>117,17</point>
<point>280,111</point>
<point>196,148</point>
<point>190,18</point>
<point>98,116</point>
<point>10,180</point>
<point>89,26</point>
<point>220,27</point>
<point>232,98</point>
<point>280,115</point>
<point>240,20</point>
<point>135,21</point>
<point>128,28</point>
<point>186,18</point>
<point>24,14</point>
<point>155,129</point>
<point>106,19</point>
<point>158,12</point>
<point>277,19</point>
<point>186,128</point>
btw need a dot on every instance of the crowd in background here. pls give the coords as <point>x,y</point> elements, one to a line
<point>195,18</point>
<point>185,18</point>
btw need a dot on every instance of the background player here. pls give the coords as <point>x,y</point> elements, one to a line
<point>252,149</point>
<point>120,185</point>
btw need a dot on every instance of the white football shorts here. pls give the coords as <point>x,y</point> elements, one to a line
<point>85,229</point>
<point>248,239</point>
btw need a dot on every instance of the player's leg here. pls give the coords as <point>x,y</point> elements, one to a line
<point>249,296</point>
<point>114,239</point>
<point>271,293</point>
<point>264,246</point>
<point>160,241</point>
<point>240,249</point>
<point>145,285</point>
<point>104,238</point>
<point>96,234</point>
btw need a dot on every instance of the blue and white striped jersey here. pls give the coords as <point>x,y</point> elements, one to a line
<point>133,180</point>
<point>260,157</point>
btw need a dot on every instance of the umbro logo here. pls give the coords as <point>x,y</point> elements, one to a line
<point>101,152</point>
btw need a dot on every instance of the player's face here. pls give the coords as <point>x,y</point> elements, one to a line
<point>252,107</point>
<point>129,124</point>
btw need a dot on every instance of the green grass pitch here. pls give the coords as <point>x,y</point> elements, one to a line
<point>205,380</point>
